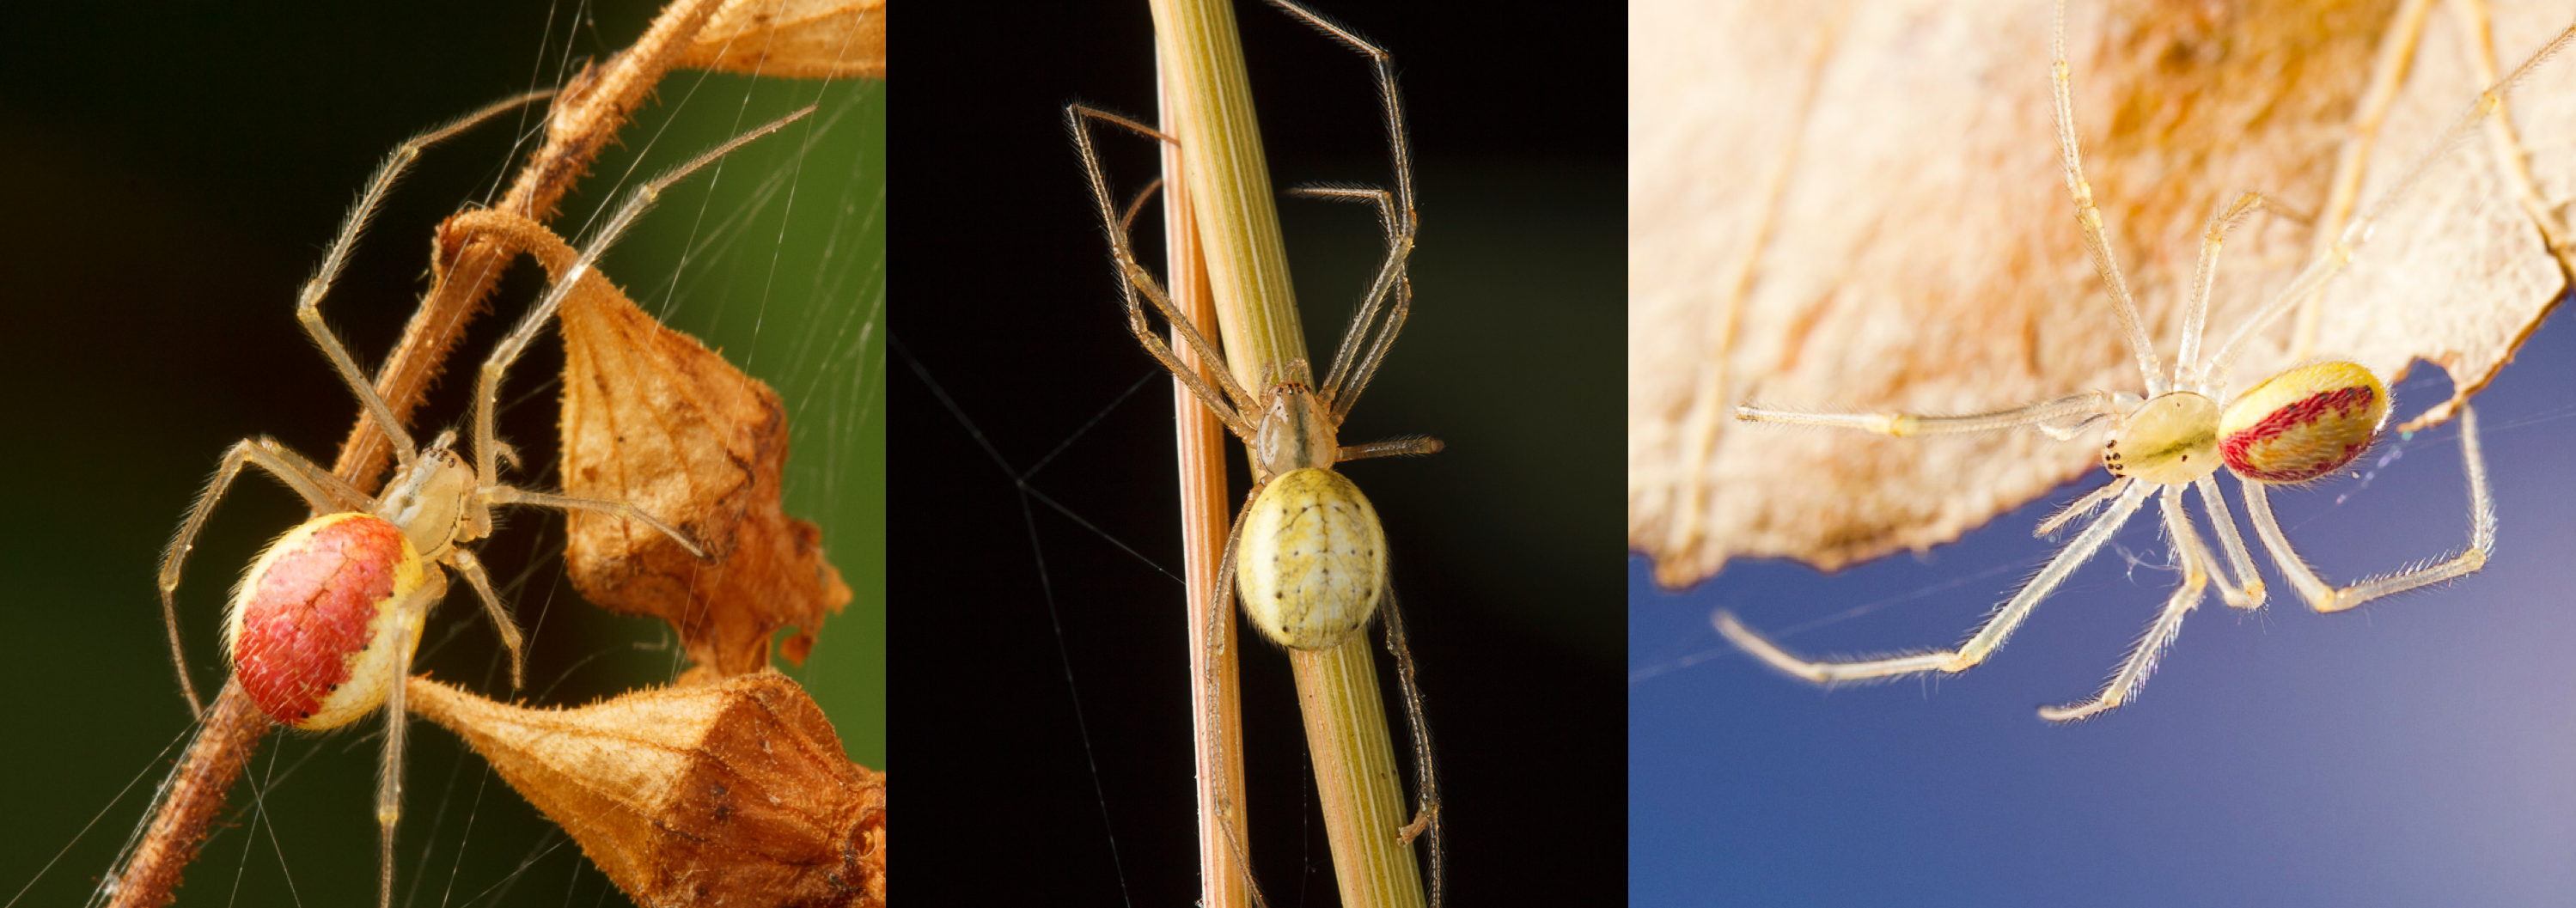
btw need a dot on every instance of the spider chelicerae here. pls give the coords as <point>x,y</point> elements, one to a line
<point>2292,427</point>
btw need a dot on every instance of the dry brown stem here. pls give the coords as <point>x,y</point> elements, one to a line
<point>586,115</point>
<point>232,733</point>
<point>1859,207</point>
<point>730,793</point>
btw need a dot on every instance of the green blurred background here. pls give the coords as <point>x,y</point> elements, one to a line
<point>174,175</point>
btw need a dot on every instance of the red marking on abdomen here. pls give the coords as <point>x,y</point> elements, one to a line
<point>310,612</point>
<point>2306,462</point>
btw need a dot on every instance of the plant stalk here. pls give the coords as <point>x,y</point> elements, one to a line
<point>1216,699</point>
<point>1208,106</point>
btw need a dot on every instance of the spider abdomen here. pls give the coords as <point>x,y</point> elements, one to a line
<point>317,623</point>
<point>1312,560</point>
<point>2303,423</point>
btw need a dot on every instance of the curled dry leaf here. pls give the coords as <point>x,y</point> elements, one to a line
<point>734,792</point>
<point>652,417</point>
<point>797,39</point>
<point>1860,207</point>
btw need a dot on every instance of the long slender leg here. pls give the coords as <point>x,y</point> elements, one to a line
<point>471,568</point>
<point>508,495</point>
<point>322,491</point>
<point>2331,260</point>
<point>1216,643</point>
<point>1905,425</point>
<point>1371,195</point>
<point>1396,447</point>
<point>1426,817</point>
<point>2092,501</point>
<point>308,302</point>
<point>1349,394</point>
<point>2095,241</point>
<point>2247,591</point>
<point>1342,384</point>
<point>2195,318</point>
<point>488,382</point>
<point>2196,571</point>
<point>1987,639</point>
<point>2326,598</point>
<point>389,776</point>
<point>1135,282</point>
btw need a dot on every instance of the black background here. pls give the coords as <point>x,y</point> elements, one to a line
<point>1051,704</point>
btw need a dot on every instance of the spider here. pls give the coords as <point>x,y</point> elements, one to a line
<point>1306,550</point>
<point>322,629</point>
<point>2293,427</point>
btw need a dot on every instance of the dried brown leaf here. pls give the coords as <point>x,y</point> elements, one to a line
<point>652,417</point>
<point>734,792</point>
<point>1859,206</point>
<point>796,39</point>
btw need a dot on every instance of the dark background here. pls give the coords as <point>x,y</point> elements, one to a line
<point>1045,667</point>
<point>173,176</point>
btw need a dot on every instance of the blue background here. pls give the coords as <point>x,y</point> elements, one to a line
<point>2414,752</point>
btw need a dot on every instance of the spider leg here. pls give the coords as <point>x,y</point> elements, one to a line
<point>1217,640</point>
<point>1348,395</point>
<point>1397,447</point>
<point>2195,320</point>
<point>2197,568</point>
<point>2247,591</point>
<point>508,495</point>
<point>1399,239</point>
<point>1987,639</point>
<point>1905,425</point>
<point>2332,259</point>
<point>1348,376</point>
<point>1426,818</point>
<point>308,301</point>
<point>389,776</point>
<point>488,382</point>
<point>2091,502</point>
<point>1139,287</point>
<point>2095,240</point>
<point>471,568</point>
<point>325,493</point>
<point>2327,598</point>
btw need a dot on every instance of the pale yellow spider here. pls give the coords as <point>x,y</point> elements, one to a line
<point>1306,549</point>
<point>1313,556</point>
<point>2293,427</point>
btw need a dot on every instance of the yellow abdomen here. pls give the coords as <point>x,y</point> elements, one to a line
<point>1312,560</point>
